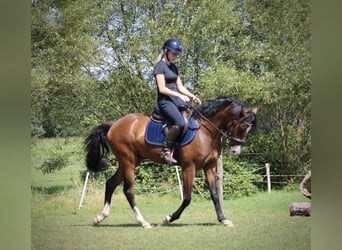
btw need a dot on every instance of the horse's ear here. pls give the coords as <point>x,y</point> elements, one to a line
<point>254,110</point>
<point>236,109</point>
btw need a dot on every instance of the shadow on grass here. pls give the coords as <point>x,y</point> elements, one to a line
<point>135,225</point>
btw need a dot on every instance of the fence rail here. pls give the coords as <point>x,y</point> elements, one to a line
<point>82,190</point>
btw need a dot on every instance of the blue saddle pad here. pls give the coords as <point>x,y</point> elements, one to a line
<point>155,135</point>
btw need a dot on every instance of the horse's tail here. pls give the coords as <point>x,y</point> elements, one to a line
<point>97,148</point>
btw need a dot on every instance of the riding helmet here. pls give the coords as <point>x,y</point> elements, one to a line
<point>174,45</point>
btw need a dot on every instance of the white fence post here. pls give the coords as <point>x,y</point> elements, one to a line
<point>268,177</point>
<point>84,189</point>
<point>179,183</point>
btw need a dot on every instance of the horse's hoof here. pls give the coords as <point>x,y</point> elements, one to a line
<point>227,223</point>
<point>95,221</point>
<point>147,226</point>
<point>167,219</point>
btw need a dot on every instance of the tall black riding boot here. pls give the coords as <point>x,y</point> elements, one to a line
<point>170,139</point>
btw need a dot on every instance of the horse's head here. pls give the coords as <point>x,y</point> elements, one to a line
<point>225,114</point>
<point>238,129</point>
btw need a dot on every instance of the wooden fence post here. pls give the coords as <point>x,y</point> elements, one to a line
<point>219,179</point>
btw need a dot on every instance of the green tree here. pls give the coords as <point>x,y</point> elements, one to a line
<point>284,29</point>
<point>92,61</point>
<point>62,54</point>
<point>266,62</point>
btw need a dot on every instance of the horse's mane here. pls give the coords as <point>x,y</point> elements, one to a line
<point>213,106</point>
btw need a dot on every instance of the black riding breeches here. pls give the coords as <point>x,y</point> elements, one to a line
<point>171,112</point>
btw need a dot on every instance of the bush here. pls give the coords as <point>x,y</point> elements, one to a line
<point>239,178</point>
<point>56,155</point>
<point>53,164</point>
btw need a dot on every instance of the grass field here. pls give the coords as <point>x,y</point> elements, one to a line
<point>261,221</point>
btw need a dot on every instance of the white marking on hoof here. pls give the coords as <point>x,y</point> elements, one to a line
<point>105,213</point>
<point>98,219</point>
<point>106,210</point>
<point>167,219</point>
<point>227,223</point>
<point>140,218</point>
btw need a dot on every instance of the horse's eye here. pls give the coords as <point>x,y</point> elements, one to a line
<point>244,126</point>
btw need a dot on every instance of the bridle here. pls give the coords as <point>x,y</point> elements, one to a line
<point>228,136</point>
<point>233,139</point>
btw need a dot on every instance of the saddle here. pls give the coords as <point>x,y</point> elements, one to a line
<point>186,113</point>
<point>158,126</point>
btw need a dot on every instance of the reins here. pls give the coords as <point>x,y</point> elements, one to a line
<point>229,136</point>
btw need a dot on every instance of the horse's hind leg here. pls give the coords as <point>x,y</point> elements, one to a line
<point>129,193</point>
<point>111,185</point>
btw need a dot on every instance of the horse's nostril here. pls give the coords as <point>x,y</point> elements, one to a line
<point>235,150</point>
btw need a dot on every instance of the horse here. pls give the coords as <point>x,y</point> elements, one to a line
<point>216,118</point>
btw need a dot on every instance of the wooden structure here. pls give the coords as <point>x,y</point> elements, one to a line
<point>303,208</point>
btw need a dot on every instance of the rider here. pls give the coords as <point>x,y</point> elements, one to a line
<point>171,94</point>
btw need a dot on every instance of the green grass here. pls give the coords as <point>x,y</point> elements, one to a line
<point>261,222</point>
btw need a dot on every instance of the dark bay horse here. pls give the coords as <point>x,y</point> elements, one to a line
<point>217,118</point>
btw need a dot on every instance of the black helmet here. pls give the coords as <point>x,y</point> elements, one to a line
<point>174,45</point>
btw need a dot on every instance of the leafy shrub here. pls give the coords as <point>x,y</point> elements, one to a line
<point>53,164</point>
<point>57,156</point>
<point>239,178</point>
<point>292,185</point>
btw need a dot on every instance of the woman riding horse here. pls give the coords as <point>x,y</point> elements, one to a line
<point>171,94</point>
<point>221,117</point>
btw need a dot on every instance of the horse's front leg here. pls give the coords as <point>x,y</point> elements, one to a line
<point>188,178</point>
<point>210,175</point>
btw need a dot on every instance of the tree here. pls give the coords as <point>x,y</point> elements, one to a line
<point>93,61</point>
<point>266,62</point>
<point>284,29</point>
<point>62,53</point>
